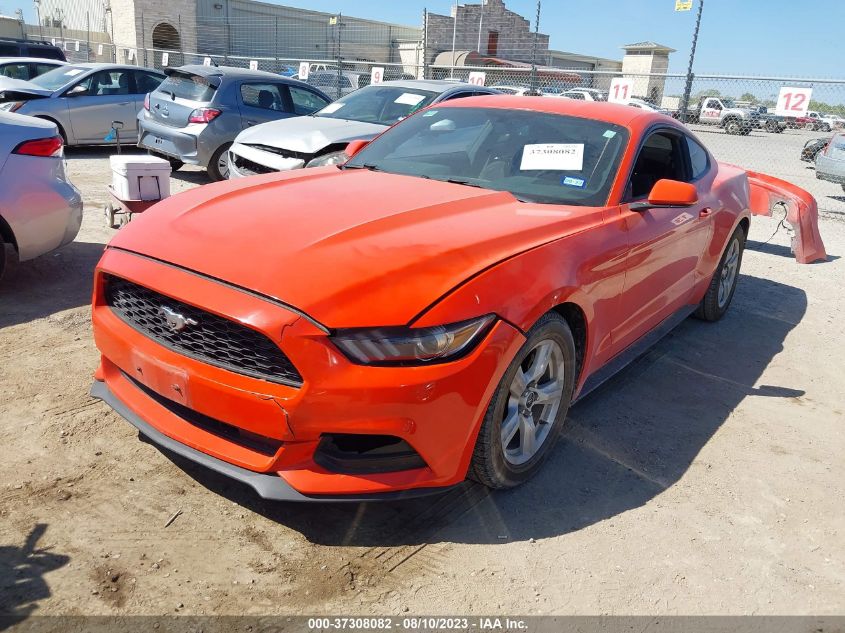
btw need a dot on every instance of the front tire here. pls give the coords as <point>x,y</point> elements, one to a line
<point>528,408</point>
<point>732,127</point>
<point>720,292</point>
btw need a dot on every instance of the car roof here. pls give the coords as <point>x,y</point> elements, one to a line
<point>226,72</point>
<point>39,60</point>
<point>436,85</point>
<point>106,66</point>
<point>633,118</point>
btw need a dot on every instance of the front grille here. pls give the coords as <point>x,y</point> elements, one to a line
<point>250,168</point>
<point>206,337</point>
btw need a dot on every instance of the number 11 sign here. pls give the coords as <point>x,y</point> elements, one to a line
<point>620,90</point>
<point>793,101</point>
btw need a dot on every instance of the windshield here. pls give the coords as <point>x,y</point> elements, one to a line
<point>537,156</point>
<point>384,105</point>
<point>58,77</point>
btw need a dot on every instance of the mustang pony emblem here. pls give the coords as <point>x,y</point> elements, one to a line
<point>176,322</point>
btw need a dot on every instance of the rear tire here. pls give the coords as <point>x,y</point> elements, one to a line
<point>720,292</point>
<point>528,408</point>
<point>217,171</point>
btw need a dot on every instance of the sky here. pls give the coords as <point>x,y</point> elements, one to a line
<point>758,37</point>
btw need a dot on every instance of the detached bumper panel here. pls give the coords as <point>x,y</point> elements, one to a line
<point>268,486</point>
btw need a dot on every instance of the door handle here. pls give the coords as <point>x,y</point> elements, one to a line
<point>251,122</point>
<point>706,212</point>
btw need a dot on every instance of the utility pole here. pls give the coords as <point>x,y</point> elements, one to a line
<point>688,86</point>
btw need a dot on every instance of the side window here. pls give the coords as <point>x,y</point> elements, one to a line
<point>576,95</point>
<point>264,95</point>
<point>660,157</point>
<point>146,82</point>
<point>40,69</point>
<point>305,101</point>
<point>345,82</point>
<point>109,82</point>
<point>699,161</point>
<point>458,95</point>
<point>15,71</point>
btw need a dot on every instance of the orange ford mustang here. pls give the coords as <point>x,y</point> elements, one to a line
<point>427,311</point>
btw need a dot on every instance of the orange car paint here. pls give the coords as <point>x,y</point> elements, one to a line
<point>359,248</point>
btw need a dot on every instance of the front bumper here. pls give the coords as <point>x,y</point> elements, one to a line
<point>250,161</point>
<point>437,409</point>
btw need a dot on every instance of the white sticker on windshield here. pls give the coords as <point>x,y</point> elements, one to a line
<point>73,72</point>
<point>555,156</point>
<point>609,134</point>
<point>409,98</point>
<point>332,107</point>
<point>430,113</point>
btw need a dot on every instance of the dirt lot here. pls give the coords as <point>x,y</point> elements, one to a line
<point>707,478</point>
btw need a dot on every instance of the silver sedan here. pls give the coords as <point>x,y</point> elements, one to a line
<point>39,209</point>
<point>83,99</point>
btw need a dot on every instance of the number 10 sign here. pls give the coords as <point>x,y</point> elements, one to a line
<point>620,90</point>
<point>793,101</point>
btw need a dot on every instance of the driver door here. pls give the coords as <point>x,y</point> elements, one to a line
<point>99,99</point>
<point>665,244</point>
<point>710,111</point>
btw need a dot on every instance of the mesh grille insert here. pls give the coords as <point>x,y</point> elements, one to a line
<point>205,336</point>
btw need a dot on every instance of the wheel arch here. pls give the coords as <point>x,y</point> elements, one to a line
<point>6,233</point>
<point>576,318</point>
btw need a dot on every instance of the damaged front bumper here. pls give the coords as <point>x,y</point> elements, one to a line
<point>802,214</point>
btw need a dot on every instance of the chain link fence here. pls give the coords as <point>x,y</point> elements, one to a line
<point>343,53</point>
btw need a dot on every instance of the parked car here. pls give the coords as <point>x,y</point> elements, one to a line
<point>25,68</point>
<point>42,49</point>
<point>196,113</point>
<point>585,94</point>
<point>648,106</point>
<point>768,121</point>
<point>812,148</point>
<point>40,210</point>
<point>830,163</point>
<point>328,82</point>
<point>812,122</point>
<point>83,99</point>
<point>424,313</point>
<point>321,139</point>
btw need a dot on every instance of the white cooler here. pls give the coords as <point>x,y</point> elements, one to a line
<point>139,177</point>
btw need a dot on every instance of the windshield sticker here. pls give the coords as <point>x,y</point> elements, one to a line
<point>569,181</point>
<point>609,134</point>
<point>553,156</point>
<point>73,72</point>
<point>430,113</point>
<point>409,98</point>
<point>332,107</point>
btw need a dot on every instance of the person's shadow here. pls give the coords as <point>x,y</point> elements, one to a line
<point>624,444</point>
<point>22,582</point>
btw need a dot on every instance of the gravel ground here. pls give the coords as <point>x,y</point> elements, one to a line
<point>706,478</point>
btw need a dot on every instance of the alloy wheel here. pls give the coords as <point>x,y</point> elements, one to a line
<point>534,398</point>
<point>728,274</point>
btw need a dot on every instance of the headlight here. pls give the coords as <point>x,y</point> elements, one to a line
<point>332,158</point>
<point>11,106</point>
<point>411,346</point>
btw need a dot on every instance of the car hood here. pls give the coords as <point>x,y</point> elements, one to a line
<point>308,134</point>
<point>350,248</point>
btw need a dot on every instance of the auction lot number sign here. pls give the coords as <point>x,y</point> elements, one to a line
<point>793,101</point>
<point>620,90</point>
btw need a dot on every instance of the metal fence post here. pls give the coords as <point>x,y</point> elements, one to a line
<point>339,55</point>
<point>276,43</point>
<point>88,41</point>
<point>533,82</point>
<point>143,40</point>
<point>425,45</point>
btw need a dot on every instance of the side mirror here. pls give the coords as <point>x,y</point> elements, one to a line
<point>77,91</point>
<point>668,193</point>
<point>354,147</point>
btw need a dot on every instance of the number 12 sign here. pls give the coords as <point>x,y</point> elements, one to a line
<point>793,101</point>
<point>620,90</point>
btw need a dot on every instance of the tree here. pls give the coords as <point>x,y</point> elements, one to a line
<point>750,98</point>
